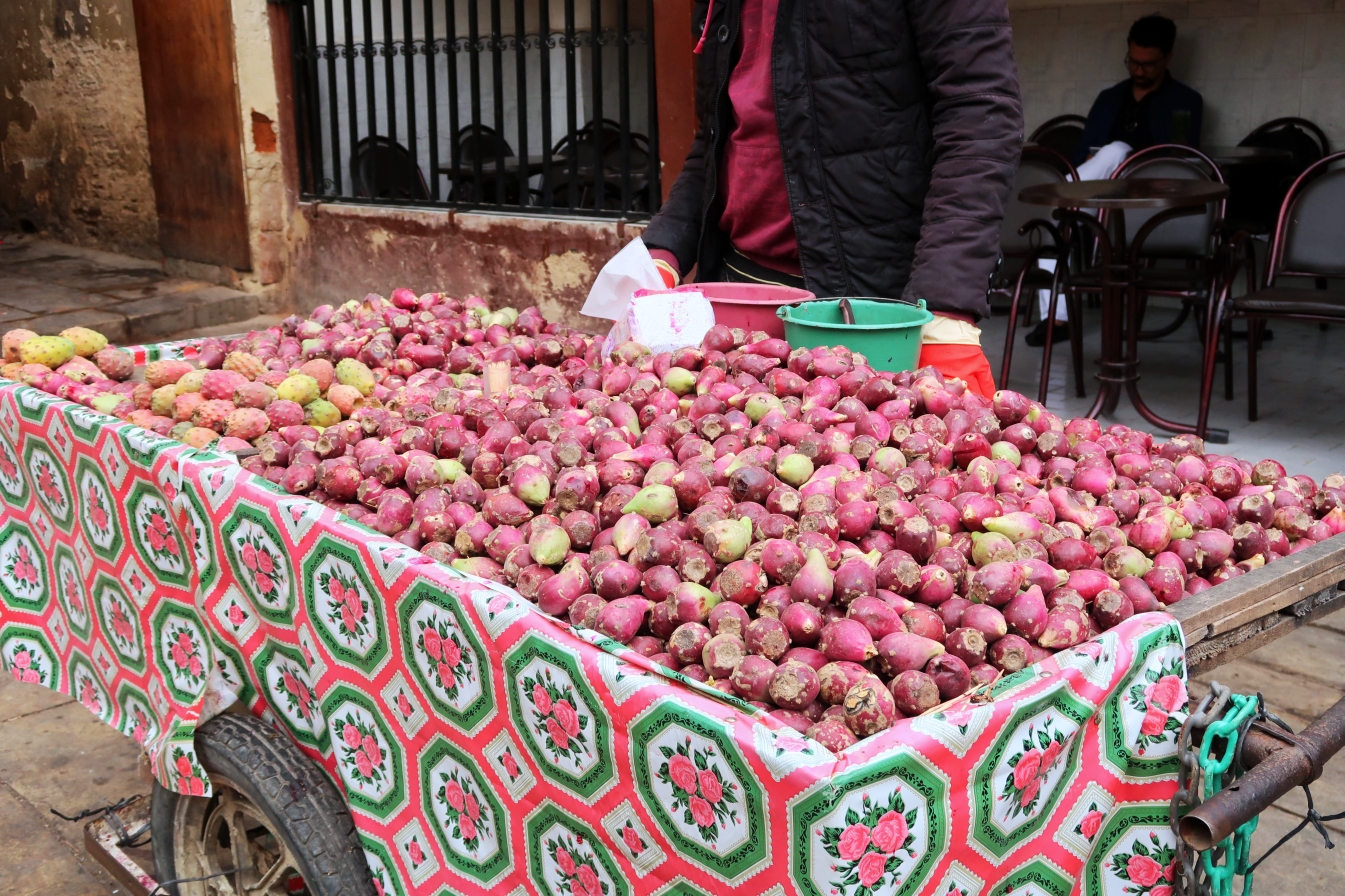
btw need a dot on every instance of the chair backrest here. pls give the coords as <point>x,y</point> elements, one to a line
<point>1309,241</point>
<point>1037,165</point>
<point>1304,138</point>
<point>383,169</point>
<point>1259,190</point>
<point>1061,133</point>
<point>479,141</point>
<point>1191,236</point>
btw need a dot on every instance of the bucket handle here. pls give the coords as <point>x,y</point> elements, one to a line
<point>848,313</point>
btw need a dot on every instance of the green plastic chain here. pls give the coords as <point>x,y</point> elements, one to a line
<point>1238,845</point>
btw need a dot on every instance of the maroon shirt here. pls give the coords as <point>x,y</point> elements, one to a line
<point>756,213</point>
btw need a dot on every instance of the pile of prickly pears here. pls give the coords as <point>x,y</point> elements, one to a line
<point>839,546</point>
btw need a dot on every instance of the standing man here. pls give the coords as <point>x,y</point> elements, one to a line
<point>854,148</point>
<point>1150,107</point>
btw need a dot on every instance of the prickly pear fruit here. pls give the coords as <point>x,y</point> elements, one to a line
<point>87,342</point>
<point>299,388</point>
<point>53,351</point>
<point>200,437</point>
<point>161,400</point>
<point>185,405</point>
<point>165,373</point>
<point>211,414</point>
<point>11,342</point>
<point>347,399</point>
<point>249,365</point>
<point>350,372</point>
<point>114,363</point>
<point>254,395</point>
<point>321,412</point>
<point>284,413</point>
<point>221,384</point>
<point>191,381</point>
<point>246,423</point>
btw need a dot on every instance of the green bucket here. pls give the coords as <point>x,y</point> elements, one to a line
<point>885,331</point>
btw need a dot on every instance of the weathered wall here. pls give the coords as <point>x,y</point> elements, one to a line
<point>345,251</point>
<point>74,156</point>
<point>1253,60</point>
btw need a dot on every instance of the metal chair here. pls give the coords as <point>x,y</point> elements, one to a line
<point>1259,190</point>
<point>381,168</point>
<point>1308,243</point>
<point>1061,133</point>
<point>595,153</point>
<point>1024,239</point>
<point>481,142</point>
<point>1196,241</point>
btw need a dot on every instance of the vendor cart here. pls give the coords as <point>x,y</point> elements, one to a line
<point>327,709</point>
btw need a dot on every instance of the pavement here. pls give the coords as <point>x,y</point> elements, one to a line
<point>47,286</point>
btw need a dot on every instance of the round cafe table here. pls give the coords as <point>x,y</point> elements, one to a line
<point>1172,198</point>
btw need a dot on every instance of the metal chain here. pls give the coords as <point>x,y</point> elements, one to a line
<point>1190,786</point>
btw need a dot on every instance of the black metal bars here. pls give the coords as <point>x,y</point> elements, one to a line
<point>487,117</point>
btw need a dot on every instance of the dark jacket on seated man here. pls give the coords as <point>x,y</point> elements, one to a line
<point>1116,115</point>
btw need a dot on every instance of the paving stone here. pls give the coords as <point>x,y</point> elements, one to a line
<point>13,316</point>
<point>33,862</point>
<point>156,288</point>
<point>217,305</point>
<point>66,758</point>
<point>38,297</point>
<point>102,281</point>
<point>109,323</point>
<point>17,700</point>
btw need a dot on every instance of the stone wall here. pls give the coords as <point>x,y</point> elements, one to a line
<point>343,251</point>
<point>1253,60</point>
<point>74,156</point>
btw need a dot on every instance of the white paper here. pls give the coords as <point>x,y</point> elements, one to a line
<point>663,321</point>
<point>630,269</point>
<point>1105,161</point>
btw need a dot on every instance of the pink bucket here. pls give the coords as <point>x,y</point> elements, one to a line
<point>750,306</point>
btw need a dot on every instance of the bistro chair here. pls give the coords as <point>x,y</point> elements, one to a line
<point>1308,243</point>
<point>479,141</point>
<point>595,152</point>
<point>1192,246</point>
<point>381,168</point>
<point>1259,190</point>
<point>1025,238</point>
<point>1061,133</point>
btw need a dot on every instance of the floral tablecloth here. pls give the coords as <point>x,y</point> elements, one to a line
<point>486,748</point>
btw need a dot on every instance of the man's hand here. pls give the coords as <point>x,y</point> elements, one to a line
<point>952,345</point>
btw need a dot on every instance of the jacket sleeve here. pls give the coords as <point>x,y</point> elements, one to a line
<point>677,225</point>
<point>966,52</point>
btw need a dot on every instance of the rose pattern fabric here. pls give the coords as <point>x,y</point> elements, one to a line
<point>1161,698</point>
<point>872,847</point>
<point>159,717</point>
<point>26,666</point>
<point>558,723</point>
<point>466,814</point>
<point>1091,823</point>
<point>699,790</point>
<point>348,614</point>
<point>361,755</point>
<point>185,654</point>
<point>451,665</point>
<point>1149,869</point>
<point>1039,753</point>
<point>577,866</point>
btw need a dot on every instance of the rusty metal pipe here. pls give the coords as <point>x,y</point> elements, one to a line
<point>1277,767</point>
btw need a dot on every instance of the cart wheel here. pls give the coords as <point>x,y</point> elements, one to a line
<point>275,826</point>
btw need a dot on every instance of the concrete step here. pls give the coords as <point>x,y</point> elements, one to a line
<point>47,286</point>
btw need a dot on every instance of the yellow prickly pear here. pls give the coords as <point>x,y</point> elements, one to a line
<point>50,351</point>
<point>86,342</point>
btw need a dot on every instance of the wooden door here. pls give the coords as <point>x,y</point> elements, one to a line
<point>195,129</point>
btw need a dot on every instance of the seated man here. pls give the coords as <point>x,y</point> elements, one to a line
<point>1149,108</point>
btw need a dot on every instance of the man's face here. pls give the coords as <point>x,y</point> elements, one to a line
<point>1147,65</point>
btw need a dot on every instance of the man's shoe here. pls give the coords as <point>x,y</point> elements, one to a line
<point>1037,338</point>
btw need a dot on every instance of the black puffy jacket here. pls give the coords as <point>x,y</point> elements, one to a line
<point>900,127</point>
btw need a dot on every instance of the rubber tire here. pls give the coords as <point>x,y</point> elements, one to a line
<point>300,801</point>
